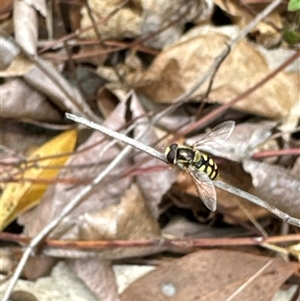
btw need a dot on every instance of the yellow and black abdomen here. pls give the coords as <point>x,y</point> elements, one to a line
<point>205,164</point>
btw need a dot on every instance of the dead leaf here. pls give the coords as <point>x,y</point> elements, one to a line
<point>145,18</point>
<point>38,266</point>
<point>26,25</point>
<point>19,100</point>
<point>236,147</point>
<point>242,14</point>
<point>295,171</point>
<point>180,227</point>
<point>275,185</point>
<point>98,276</point>
<point>172,73</point>
<point>212,275</point>
<point>22,195</point>
<point>54,85</point>
<point>125,23</point>
<point>290,122</point>
<point>129,220</point>
<point>118,222</point>
<point>126,274</point>
<point>18,67</point>
<point>39,5</point>
<point>62,285</point>
<point>8,52</point>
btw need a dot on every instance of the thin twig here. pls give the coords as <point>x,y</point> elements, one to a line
<point>257,201</point>
<point>119,136</point>
<point>166,243</point>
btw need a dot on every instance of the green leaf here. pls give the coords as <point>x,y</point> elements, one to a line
<point>291,36</point>
<point>294,5</point>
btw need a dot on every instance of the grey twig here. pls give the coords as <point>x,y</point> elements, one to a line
<point>119,136</point>
<point>259,202</point>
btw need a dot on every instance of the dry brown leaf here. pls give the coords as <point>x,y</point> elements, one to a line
<point>212,275</point>
<point>291,121</point>
<point>106,101</point>
<point>125,23</point>
<point>275,185</point>
<point>127,273</point>
<point>122,221</point>
<point>129,220</point>
<point>26,25</point>
<point>38,266</point>
<point>20,101</point>
<point>180,227</point>
<point>144,18</point>
<point>22,195</point>
<point>98,276</point>
<point>266,31</point>
<point>51,83</point>
<point>8,52</point>
<point>55,86</point>
<point>237,147</point>
<point>39,5</point>
<point>158,14</point>
<point>295,171</point>
<point>18,67</point>
<point>61,285</point>
<point>18,142</point>
<point>172,73</point>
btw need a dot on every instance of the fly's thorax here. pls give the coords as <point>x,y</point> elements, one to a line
<point>180,155</point>
<point>206,164</point>
<point>185,155</point>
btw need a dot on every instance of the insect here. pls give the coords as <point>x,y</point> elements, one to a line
<point>199,165</point>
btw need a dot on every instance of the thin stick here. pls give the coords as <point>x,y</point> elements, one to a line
<point>119,136</point>
<point>162,242</point>
<point>257,201</point>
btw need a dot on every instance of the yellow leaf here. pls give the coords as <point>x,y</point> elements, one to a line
<point>21,196</point>
<point>295,250</point>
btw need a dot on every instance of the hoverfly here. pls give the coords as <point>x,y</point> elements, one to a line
<point>199,165</point>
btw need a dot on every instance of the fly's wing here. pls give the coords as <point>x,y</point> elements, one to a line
<point>216,136</point>
<point>205,187</point>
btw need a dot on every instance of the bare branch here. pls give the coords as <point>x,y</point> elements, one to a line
<point>257,201</point>
<point>119,136</point>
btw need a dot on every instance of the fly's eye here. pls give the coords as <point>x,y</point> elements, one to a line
<point>171,153</point>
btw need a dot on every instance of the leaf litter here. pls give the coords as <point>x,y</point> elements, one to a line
<point>142,198</point>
